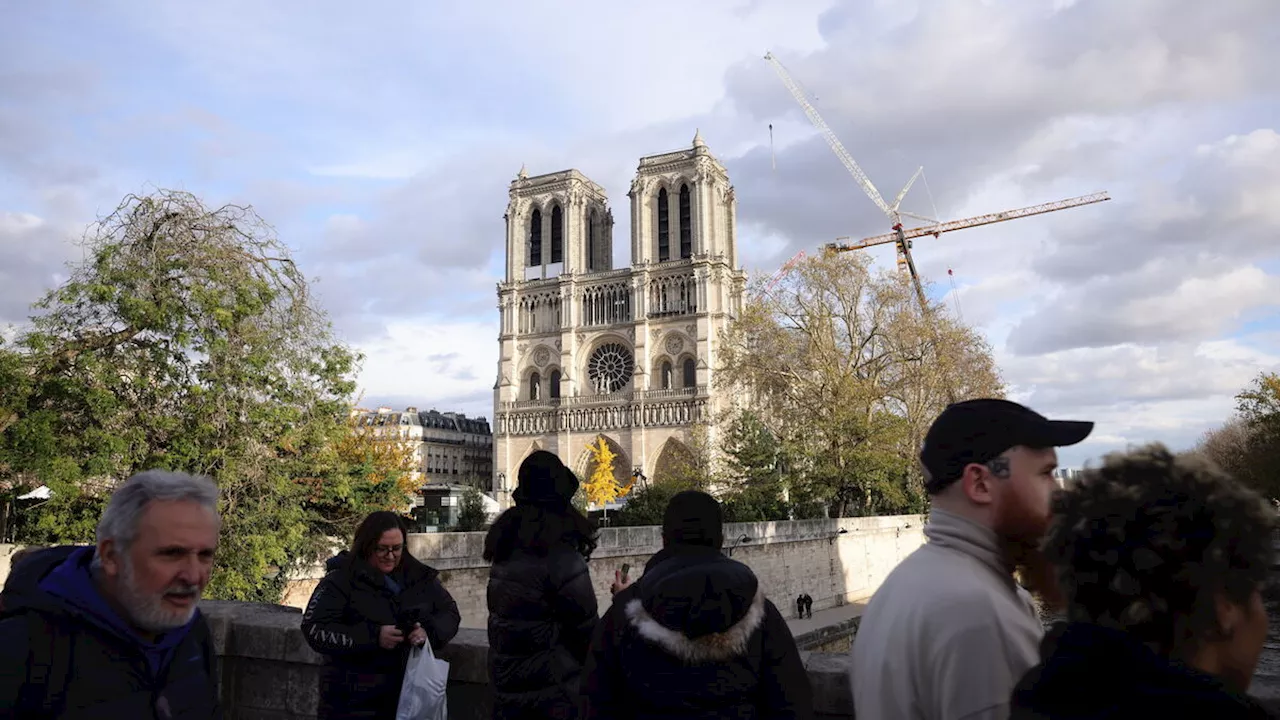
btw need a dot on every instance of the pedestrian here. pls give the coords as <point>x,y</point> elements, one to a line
<point>949,632</point>
<point>542,606</point>
<point>808,606</point>
<point>800,606</point>
<point>694,636</point>
<point>1162,560</point>
<point>114,630</point>
<point>375,603</point>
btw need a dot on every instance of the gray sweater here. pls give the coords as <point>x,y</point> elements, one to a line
<point>948,634</point>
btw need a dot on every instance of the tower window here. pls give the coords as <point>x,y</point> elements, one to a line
<point>557,234</point>
<point>690,373</point>
<point>535,386</point>
<point>686,223</point>
<point>591,241</point>
<point>535,239</point>
<point>664,227</point>
<point>555,384</point>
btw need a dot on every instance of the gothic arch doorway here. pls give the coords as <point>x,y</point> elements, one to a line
<point>586,465</point>
<point>676,462</point>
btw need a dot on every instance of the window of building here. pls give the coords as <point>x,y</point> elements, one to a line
<point>555,384</point>
<point>664,227</point>
<point>535,239</point>
<point>535,386</point>
<point>686,223</point>
<point>690,373</point>
<point>557,234</point>
<point>591,241</point>
<point>666,376</point>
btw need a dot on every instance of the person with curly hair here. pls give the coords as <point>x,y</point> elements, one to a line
<point>1161,559</point>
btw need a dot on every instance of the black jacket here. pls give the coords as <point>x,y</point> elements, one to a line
<point>542,611</point>
<point>342,622</point>
<point>695,637</point>
<point>57,625</point>
<point>1093,672</point>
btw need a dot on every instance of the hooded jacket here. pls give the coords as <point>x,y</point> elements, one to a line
<point>695,637</point>
<point>343,620</point>
<point>99,667</point>
<point>1123,679</point>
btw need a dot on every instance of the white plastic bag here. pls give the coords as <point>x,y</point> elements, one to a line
<point>426,681</point>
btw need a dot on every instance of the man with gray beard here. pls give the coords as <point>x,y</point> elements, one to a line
<point>113,631</point>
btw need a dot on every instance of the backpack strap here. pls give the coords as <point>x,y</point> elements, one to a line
<point>48,666</point>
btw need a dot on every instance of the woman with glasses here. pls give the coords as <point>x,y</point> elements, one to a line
<point>376,602</point>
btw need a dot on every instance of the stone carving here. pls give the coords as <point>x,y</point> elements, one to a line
<point>542,357</point>
<point>691,330</point>
<point>674,344</point>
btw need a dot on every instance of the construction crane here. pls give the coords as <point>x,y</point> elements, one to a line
<point>782,271</point>
<point>899,236</point>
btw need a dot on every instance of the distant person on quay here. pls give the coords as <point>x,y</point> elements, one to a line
<point>376,603</point>
<point>1162,560</point>
<point>695,636</point>
<point>950,632</point>
<point>114,630</point>
<point>542,606</point>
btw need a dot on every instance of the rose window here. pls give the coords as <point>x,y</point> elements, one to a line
<point>610,368</point>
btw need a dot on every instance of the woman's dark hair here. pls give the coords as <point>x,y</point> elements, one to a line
<point>1147,542</point>
<point>537,530</point>
<point>371,529</point>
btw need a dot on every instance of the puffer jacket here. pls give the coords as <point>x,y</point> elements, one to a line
<point>542,612</point>
<point>694,637</point>
<point>342,621</point>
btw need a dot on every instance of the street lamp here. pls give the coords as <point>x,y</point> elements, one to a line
<point>741,539</point>
<point>637,475</point>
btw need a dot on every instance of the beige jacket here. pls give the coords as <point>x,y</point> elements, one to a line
<point>948,634</point>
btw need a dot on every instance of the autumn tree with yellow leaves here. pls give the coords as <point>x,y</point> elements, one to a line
<point>602,487</point>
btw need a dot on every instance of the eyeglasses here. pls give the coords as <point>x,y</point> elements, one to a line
<point>384,551</point>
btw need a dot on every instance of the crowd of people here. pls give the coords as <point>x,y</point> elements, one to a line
<point>1156,562</point>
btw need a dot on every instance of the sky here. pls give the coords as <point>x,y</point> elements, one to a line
<point>379,139</point>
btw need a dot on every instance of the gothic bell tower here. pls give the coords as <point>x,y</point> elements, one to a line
<point>557,224</point>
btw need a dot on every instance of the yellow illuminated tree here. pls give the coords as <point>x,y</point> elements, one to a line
<point>602,487</point>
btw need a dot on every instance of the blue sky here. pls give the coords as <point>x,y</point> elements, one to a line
<point>379,138</point>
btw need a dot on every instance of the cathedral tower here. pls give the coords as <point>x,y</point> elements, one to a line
<point>627,355</point>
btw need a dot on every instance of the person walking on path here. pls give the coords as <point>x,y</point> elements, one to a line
<point>376,602</point>
<point>1162,559</point>
<point>694,636</point>
<point>114,630</point>
<point>950,631</point>
<point>542,606</point>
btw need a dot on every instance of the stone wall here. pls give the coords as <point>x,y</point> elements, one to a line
<point>790,558</point>
<point>268,672</point>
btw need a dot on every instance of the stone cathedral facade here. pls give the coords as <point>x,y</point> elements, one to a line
<point>588,350</point>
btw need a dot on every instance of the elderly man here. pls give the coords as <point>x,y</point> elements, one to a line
<point>113,631</point>
<point>950,631</point>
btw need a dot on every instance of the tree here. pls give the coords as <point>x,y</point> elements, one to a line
<point>471,516</point>
<point>755,485</point>
<point>602,487</point>
<point>646,505</point>
<point>1248,445</point>
<point>187,340</point>
<point>845,371</point>
<point>692,470</point>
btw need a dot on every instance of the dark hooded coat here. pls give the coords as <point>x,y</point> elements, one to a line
<point>1096,673</point>
<point>694,637</point>
<point>343,619</point>
<point>93,665</point>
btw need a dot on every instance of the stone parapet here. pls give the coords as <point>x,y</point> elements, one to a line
<point>268,672</point>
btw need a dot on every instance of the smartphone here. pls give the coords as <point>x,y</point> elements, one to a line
<point>626,568</point>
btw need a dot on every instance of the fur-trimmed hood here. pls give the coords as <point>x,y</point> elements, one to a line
<point>696,604</point>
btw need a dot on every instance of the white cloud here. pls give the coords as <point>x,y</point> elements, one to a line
<point>451,365</point>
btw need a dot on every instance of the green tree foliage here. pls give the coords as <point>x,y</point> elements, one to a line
<point>842,367</point>
<point>471,515</point>
<point>645,505</point>
<point>755,485</point>
<point>187,340</point>
<point>1248,445</point>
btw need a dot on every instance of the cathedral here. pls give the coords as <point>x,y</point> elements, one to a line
<point>590,351</point>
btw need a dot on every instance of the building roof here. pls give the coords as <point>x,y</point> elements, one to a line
<point>386,417</point>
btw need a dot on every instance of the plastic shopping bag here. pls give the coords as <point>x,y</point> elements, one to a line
<point>426,680</point>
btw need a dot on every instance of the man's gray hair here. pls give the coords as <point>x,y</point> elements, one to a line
<point>120,520</point>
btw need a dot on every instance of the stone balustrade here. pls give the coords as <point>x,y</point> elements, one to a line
<point>268,672</point>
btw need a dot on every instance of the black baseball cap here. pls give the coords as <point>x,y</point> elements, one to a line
<point>977,431</point>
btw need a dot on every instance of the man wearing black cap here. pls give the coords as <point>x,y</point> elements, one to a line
<point>949,632</point>
<point>694,637</point>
